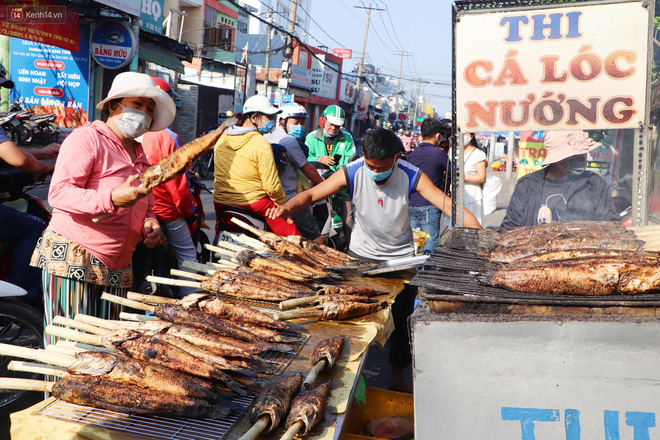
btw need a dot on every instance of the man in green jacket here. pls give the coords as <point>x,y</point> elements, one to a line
<point>334,147</point>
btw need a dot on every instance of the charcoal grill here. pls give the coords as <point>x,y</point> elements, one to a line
<point>454,272</point>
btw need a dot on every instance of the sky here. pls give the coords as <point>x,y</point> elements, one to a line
<point>420,28</point>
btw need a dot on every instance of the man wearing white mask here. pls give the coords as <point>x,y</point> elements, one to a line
<point>380,186</point>
<point>290,130</point>
<point>564,190</point>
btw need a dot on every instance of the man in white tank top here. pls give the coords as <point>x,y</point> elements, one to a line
<point>380,186</point>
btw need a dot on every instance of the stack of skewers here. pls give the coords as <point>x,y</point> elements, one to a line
<point>292,272</point>
<point>183,362</point>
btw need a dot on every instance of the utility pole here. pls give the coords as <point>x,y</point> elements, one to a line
<point>267,66</point>
<point>358,83</point>
<point>398,83</point>
<point>288,51</point>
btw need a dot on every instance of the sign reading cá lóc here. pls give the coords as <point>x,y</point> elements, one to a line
<point>561,68</point>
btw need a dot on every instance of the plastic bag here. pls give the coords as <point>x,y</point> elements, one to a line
<point>491,189</point>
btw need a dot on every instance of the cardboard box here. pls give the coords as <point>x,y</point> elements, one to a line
<point>380,404</point>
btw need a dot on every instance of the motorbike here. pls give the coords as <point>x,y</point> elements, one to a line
<point>196,227</point>
<point>327,216</point>
<point>20,323</point>
<point>44,128</point>
<point>11,123</point>
<point>205,164</point>
<point>224,222</point>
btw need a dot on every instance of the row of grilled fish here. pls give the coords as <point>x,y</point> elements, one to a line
<point>586,258</point>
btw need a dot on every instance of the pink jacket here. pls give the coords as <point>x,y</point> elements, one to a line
<point>90,164</point>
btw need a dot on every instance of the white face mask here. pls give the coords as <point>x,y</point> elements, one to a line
<point>466,139</point>
<point>133,123</point>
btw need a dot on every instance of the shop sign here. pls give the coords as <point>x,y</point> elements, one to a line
<point>325,77</point>
<point>131,7</point>
<point>346,54</point>
<point>562,68</point>
<point>347,90</point>
<point>45,22</point>
<point>50,79</point>
<point>113,44</point>
<point>151,16</point>
<point>301,77</point>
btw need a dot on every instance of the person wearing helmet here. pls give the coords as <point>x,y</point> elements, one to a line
<point>406,140</point>
<point>173,202</point>
<point>291,128</point>
<point>334,147</point>
<point>245,173</point>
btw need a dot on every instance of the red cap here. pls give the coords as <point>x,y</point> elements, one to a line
<point>162,84</point>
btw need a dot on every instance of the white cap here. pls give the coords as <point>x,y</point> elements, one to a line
<point>261,104</point>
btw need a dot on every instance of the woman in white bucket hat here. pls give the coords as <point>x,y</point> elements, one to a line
<point>564,190</point>
<point>96,174</point>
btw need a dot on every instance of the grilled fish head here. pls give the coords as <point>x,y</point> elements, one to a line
<point>115,339</point>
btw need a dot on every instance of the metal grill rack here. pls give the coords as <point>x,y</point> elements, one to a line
<point>282,360</point>
<point>154,427</point>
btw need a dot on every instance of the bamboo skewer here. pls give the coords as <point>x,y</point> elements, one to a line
<point>150,299</point>
<point>221,251</point>
<point>170,282</point>
<point>98,322</point>
<point>230,246</point>
<point>35,355</point>
<point>256,429</point>
<point>135,317</point>
<point>78,325</point>
<point>198,267</point>
<point>314,372</point>
<point>295,302</point>
<point>11,383</point>
<point>292,431</point>
<point>307,312</point>
<point>247,227</point>
<point>186,274</point>
<point>129,302</point>
<point>79,346</point>
<point>73,335</point>
<point>33,367</point>
<point>247,241</point>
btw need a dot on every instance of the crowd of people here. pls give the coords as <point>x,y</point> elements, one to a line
<point>264,163</point>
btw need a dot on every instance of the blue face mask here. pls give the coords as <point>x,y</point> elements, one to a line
<point>327,135</point>
<point>267,128</point>
<point>297,131</point>
<point>377,177</point>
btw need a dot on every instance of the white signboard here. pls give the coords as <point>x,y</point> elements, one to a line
<point>556,379</point>
<point>324,78</point>
<point>129,6</point>
<point>347,90</point>
<point>580,67</point>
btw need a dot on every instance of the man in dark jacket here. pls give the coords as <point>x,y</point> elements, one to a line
<point>564,190</point>
<point>433,161</point>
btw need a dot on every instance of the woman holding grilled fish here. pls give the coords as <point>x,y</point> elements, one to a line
<point>96,174</point>
<point>564,190</point>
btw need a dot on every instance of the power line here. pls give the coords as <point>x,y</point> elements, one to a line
<point>319,26</point>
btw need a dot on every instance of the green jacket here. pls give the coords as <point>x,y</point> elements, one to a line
<point>343,145</point>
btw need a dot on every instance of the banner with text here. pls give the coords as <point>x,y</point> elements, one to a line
<point>49,79</point>
<point>562,68</point>
<point>43,22</point>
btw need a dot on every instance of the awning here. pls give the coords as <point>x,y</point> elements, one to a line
<point>161,56</point>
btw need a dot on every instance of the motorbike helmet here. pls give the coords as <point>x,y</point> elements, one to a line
<point>165,86</point>
<point>4,82</point>
<point>335,115</point>
<point>293,110</point>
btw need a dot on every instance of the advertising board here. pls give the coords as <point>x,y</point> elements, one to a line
<point>552,68</point>
<point>49,79</point>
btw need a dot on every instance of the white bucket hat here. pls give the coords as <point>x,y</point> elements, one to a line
<point>560,145</point>
<point>261,104</point>
<point>133,84</point>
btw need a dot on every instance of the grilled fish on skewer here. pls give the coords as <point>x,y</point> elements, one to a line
<point>246,290</point>
<point>143,374</point>
<point>580,253</point>
<point>152,349</point>
<point>255,261</point>
<point>512,253</point>
<point>583,276</point>
<point>282,246</point>
<point>328,350</point>
<point>182,159</point>
<point>274,401</point>
<point>332,310</point>
<point>246,276</point>
<point>268,334</point>
<point>349,290</point>
<point>525,234</point>
<point>307,409</point>
<point>320,299</point>
<point>324,357</point>
<point>114,396</point>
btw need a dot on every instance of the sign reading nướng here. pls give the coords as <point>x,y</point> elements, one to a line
<point>562,68</point>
